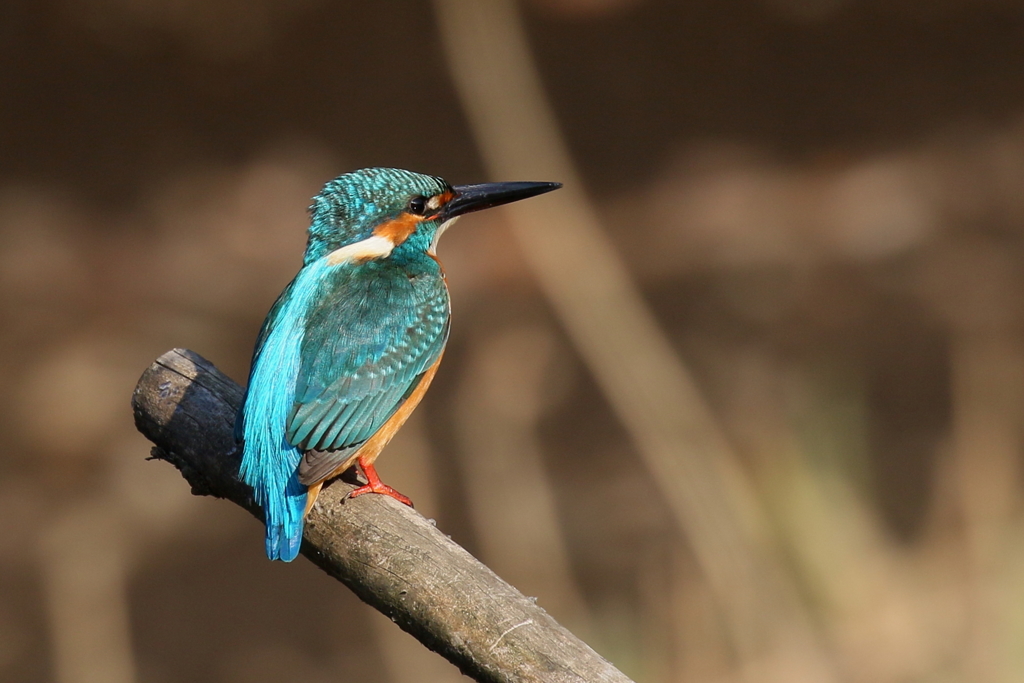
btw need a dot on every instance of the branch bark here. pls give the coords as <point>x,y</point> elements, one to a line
<point>388,554</point>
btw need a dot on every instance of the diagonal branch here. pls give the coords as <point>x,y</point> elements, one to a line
<point>388,554</point>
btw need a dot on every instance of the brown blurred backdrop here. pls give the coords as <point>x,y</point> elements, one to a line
<point>822,201</point>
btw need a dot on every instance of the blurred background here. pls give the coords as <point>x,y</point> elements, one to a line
<point>744,402</point>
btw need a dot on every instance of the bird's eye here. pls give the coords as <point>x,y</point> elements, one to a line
<point>417,206</point>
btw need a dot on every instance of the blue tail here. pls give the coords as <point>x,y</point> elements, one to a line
<point>285,522</point>
<point>276,488</point>
<point>273,475</point>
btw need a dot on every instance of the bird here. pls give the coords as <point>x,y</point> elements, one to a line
<point>351,345</point>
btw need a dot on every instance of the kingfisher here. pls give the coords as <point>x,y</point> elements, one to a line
<point>352,343</point>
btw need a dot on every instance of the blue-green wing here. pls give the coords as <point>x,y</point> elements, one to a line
<point>369,340</point>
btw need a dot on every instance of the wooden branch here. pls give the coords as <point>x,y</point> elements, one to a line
<point>387,553</point>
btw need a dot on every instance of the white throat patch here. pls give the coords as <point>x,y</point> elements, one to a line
<point>376,246</point>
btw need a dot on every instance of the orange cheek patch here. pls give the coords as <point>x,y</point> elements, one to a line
<point>399,229</point>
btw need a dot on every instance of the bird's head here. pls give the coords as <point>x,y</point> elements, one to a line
<point>375,213</point>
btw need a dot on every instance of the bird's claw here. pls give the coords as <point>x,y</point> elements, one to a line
<point>382,489</point>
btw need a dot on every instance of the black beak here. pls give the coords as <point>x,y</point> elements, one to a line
<point>475,197</point>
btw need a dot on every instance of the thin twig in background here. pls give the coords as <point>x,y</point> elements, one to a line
<point>988,405</point>
<point>618,336</point>
<point>511,497</point>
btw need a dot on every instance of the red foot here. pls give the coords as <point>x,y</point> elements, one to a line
<point>375,485</point>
